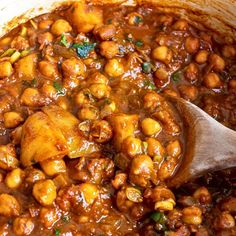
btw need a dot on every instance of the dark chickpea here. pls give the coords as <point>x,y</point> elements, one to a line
<point>132,146</point>
<point>152,100</point>
<point>191,72</point>
<point>23,226</point>
<point>60,27</point>
<point>212,80</point>
<point>109,49</point>
<point>101,131</point>
<point>161,78</point>
<point>192,45</point>
<point>201,56</point>
<point>216,62</point>
<point>229,51</point>
<point>192,215</point>
<point>9,206</point>
<point>202,195</point>
<point>188,92</point>
<point>105,32</point>
<point>163,54</point>
<point>119,180</point>
<point>224,221</point>
<point>73,67</point>
<point>180,25</point>
<point>5,69</point>
<point>45,38</point>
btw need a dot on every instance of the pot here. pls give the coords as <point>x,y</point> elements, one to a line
<point>219,15</point>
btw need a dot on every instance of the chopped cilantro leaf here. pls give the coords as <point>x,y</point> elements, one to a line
<point>63,41</point>
<point>138,19</point>
<point>176,76</point>
<point>146,67</point>
<point>34,82</point>
<point>139,43</point>
<point>149,85</point>
<point>156,216</point>
<point>59,88</point>
<point>84,48</point>
<point>57,232</point>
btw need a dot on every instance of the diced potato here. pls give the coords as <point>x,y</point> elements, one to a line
<point>85,17</point>
<point>124,126</point>
<point>89,191</point>
<point>41,140</point>
<point>53,167</point>
<point>26,67</point>
<point>8,160</point>
<point>12,119</point>
<point>5,69</point>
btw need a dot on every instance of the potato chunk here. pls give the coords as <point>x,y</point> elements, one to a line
<point>85,17</point>
<point>41,140</point>
<point>9,206</point>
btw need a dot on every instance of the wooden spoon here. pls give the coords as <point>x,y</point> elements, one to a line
<point>210,145</point>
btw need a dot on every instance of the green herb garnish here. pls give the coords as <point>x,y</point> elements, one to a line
<point>138,20</point>
<point>149,85</point>
<point>59,88</point>
<point>34,82</point>
<point>83,49</point>
<point>139,43</point>
<point>176,76</point>
<point>156,216</point>
<point>147,67</point>
<point>145,146</point>
<point>57,232</point>
<point>63,41</point>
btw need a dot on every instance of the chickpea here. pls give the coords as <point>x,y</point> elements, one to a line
<point>135,18</point>
<point>49,91</point>
<point>119,180</point>
<point>188,92</point>
<point>141,170</point>
<point>105,32</point>
<point>171,92</point>
<point>108,109</point>
<point>167,168</point>
<point>90,192</point>
<point>165,20</point>
<point>45,38</point>
<point>12,119</point>
<point>23,226</point>
<point>30,97</point>
<point>174,148</point>
<point>100,91</point>
<point>150,127</point>
<point>82,98</point>
<point>201,56</point>
<point>53,167</point>
<point>163,54</point>
<point>114,68</point>
<point>14,178</point>
<point>232,84</point>
<point>48,69</point>
<point>155,149</point>
<point>48,216</point>
<point>229,51</point>
<point>88,112</point>
<point>97,78</point>
<point>217,62</point>
<point>44,192</point>
<point>212,80</point>
<point>152,100</point>
<point>73,67</point>
<point>192,215</point>
<point>109,49</point>
<point>9,206</point>
<point>181,25</point>
<point>34,175</point>
<point>45,24</point>
<point>5,69</point>
<point>161,77</point>
<point>202,195</point>
<point>192,44</point>
<point>101,131</point>
<point>132,146</point>
<point>60,27</point>
<point>191,72</point>
<point>224,221</point>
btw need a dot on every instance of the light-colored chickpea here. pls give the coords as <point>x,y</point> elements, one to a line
<point>83,97</point>
<point>60,27</point>
<point>5,69</point>
<point>48,69</point>
<point>53,167</point>
<point>34,175</point>
<point>114,68</point>
<point>23,226</point>
<point>202,195</point>
<point>48,216</point>
<point>191,72</point>
<point>163,54</point>
<point>152,100</point>
<point>9,206</point>
<point>161,77</point>
<point>105,32</point>
<point>135,18</point>
<point>201,56</point>
<point>224,221</point>
<point>45,24</point>
<point>14,178</point>
<point>229,51</point>
<point>212,80</point>
<point>119,180</point>
<point>30,97</point>
<point>49,91</point>
<point>73,67</point>
<point>12,119</point>
<point>45,38</point>
<point>155,149</point>
<point>97,78</point>
<point>217,62</point>
<point>88,112</point>
<point>174,148</point>
<point>192,215</point>
<point>150,127</point>
<point>109,49</point>
<point>192,44</point>
<point>100,91</point>
<point>181,25</point>
<point>141,170</point>
<point>101,131</point>
<point>45,192</point>
<point>132,146</point>
<point>188,92</point>
<point>89,191</point>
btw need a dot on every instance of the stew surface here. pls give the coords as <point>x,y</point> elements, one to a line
<point>87,138</point>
